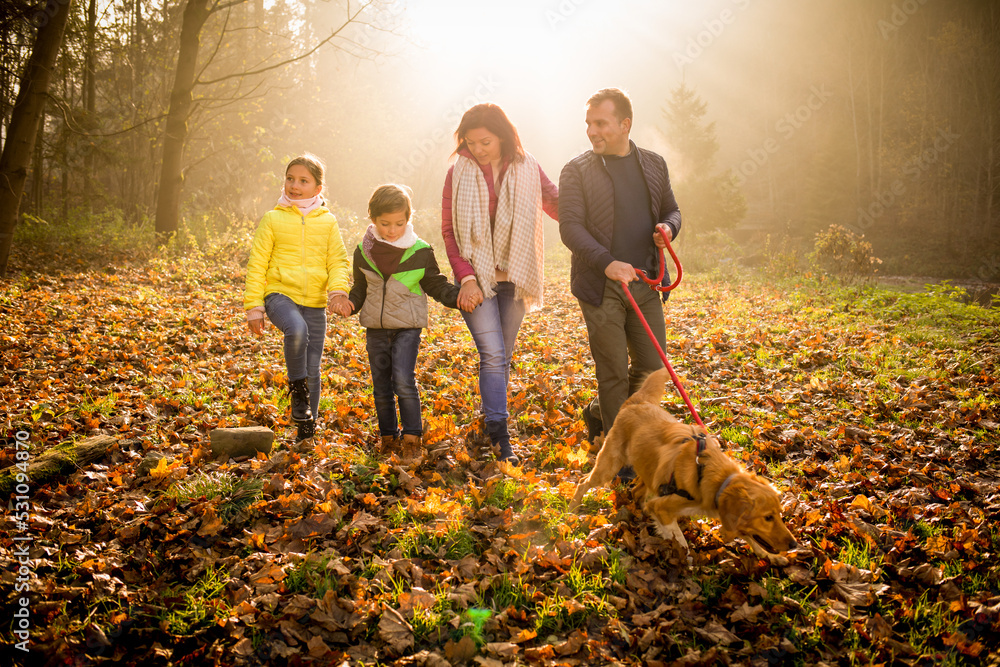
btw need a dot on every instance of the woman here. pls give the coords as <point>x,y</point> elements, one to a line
<point>491,220</point>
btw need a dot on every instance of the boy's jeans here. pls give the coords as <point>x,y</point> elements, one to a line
<point>392,355</point>
<point>305,333</point>
<point>494,325</point>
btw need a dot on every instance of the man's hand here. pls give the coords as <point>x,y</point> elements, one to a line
<point>339,304</point>
<point>658,238</point>
<point>469,296</point>
<point>620,272</point>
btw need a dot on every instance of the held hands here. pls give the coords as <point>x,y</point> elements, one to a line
<point>339,304</point>
<point>256,321</point>
<point>658,238</point>
<point>469,296</point>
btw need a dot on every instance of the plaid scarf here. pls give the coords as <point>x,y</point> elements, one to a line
<point>515,244</point>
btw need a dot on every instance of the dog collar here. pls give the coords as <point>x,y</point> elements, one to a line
<point>670,488</point>
<point>722,487</point>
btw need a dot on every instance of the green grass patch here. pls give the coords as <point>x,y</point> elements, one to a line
<point>451,540</point>
<point>191,608</point>
<point>314,575</point>
<point>236,493</point>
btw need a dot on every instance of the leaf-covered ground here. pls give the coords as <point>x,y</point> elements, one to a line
<point>875,414</point>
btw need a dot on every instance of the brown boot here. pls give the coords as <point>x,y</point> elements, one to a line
<point>412,447</point>
<point>389,444</point>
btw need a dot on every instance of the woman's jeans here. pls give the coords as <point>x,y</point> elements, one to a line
<point>392,354</point>
<point>494,325</point>
<point>305,333</point>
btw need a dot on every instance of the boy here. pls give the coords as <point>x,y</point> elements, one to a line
<point>394,270</point>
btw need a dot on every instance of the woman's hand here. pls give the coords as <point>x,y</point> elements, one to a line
<point>339,304</point>
<point>469,296</point>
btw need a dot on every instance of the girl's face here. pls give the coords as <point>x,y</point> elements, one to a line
<point>391,226</point>
<point>300,184</point>
<point>483,144</point>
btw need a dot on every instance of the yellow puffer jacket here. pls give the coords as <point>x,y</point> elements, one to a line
<point>302,257</point>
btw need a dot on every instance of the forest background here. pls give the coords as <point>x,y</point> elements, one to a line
<point>778,119</point>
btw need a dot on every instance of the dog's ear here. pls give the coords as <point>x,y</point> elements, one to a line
<point>735,506</point>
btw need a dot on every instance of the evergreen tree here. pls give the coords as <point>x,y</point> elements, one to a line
<point>706,196</point>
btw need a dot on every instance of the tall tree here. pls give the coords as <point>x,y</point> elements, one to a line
<point>25,118</point>
<point>705,194</point>
<point>182,100</point>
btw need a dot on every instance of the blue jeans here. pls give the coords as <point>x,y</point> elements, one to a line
<point>494,325</point>
<point>392,355</point>
<point>305,333</point>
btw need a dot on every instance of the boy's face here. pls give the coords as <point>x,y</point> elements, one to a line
<point>391,226</point>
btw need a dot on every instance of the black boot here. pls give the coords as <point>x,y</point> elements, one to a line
<point>299,391</point>
<point>500,438</point>
<point>592,418</point>
<point>306,429</point>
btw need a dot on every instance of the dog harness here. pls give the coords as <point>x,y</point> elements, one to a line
<point>670,488</point>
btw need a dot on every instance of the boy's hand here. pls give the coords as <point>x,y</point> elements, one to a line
<point>339,304</point>
<point>469,296</point>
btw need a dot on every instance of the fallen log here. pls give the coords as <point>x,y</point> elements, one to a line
<point>58,461</point>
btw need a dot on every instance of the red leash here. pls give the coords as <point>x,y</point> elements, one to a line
<point>654,283</point>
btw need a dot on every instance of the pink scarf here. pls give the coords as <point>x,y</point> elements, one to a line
<point>305,206</point>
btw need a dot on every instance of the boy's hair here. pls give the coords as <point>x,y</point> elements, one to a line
<point>389,198</point>
<point>491,117</point>
<point>315,166</point>
<point>623,105</point>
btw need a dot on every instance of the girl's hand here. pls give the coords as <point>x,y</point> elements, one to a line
<point>339,304</point>
<point>256,321</point>
<point>469,296</point>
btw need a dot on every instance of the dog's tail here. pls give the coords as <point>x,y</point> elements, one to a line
<point>651,390</point>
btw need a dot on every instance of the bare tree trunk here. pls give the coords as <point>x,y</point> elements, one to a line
<point>90,99</point>
<point>38,168</point>
<point>168,200</point>
<point>25,118</point>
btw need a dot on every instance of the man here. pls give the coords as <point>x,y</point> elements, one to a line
<point>613,200</point>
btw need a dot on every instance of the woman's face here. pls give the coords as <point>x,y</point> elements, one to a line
<point>300,184</point>
<point>483,144</point>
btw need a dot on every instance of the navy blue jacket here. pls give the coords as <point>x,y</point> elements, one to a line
<point>587,216</point>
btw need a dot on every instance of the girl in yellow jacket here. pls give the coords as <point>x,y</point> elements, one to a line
<point>297,271</point>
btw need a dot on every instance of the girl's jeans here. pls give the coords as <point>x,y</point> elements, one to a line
<point>392,355</point>
<point>305,333</point>
<point>494,325</point>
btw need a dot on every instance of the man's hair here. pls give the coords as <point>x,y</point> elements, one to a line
<point>312,163</point>
<point>389,198</point>
<point>623,105</point>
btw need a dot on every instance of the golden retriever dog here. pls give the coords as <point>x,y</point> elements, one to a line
<point>683,472</point>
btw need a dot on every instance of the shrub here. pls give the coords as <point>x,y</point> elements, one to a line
<point>839,252</point>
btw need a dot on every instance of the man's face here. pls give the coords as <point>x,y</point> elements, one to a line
<point>607,134</point>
